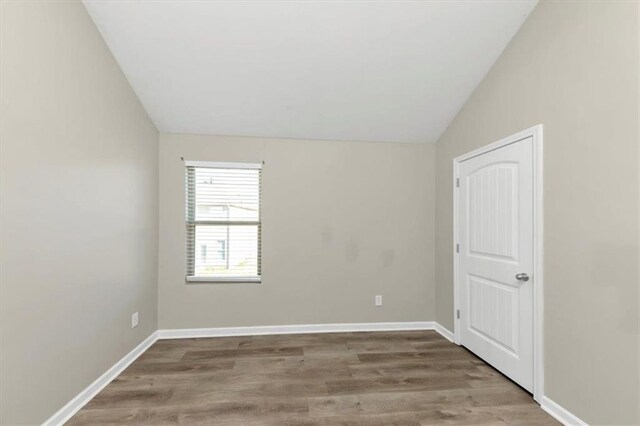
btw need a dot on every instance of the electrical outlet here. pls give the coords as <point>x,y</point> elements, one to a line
<point>134,320</point>
<point>378,300</point>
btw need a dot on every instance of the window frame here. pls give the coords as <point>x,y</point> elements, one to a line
<point>191,222</point>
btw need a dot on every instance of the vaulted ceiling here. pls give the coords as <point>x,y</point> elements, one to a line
<point>328,70</point>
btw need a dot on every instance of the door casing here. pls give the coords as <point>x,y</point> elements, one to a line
<point>534,132</point>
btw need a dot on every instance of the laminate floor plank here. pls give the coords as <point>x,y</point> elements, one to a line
<point>215,354</point>
<point>410,378</point>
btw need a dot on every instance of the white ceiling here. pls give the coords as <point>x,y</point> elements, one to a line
<point>335,70</point>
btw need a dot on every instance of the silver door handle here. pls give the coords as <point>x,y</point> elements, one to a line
<point>522,277</point>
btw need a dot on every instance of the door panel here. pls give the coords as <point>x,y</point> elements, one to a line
<point>496,243</point>
<point>493,233</point>
<point>493,310</point>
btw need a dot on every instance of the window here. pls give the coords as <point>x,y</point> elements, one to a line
<point>223,221</point>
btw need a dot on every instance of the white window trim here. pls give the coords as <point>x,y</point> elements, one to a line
<point>196,279</point>
<point>224,165</point>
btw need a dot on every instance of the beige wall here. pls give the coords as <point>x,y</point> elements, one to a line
<point>342,222</point>
<point>79,209</point>
<point>574,68</point>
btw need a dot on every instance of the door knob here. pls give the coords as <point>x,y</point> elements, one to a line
<point>522,277</point>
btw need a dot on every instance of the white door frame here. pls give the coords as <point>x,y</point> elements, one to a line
<point>534,132</point>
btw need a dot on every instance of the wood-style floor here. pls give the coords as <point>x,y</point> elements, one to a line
<point>381,378</point>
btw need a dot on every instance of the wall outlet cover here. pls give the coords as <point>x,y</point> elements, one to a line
<point>134,320</point>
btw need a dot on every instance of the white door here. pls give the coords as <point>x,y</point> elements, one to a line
<point>495,223</point>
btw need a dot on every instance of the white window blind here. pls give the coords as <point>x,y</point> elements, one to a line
<point>223,221</point>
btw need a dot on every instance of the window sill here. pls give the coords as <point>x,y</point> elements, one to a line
<point>224,280</point>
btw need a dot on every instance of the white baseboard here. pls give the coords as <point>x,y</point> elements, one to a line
<point>185,333</point>
<point>443,331</point>
<point>92,390</point>
<point>73,406</point>
<point>560,413</point>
